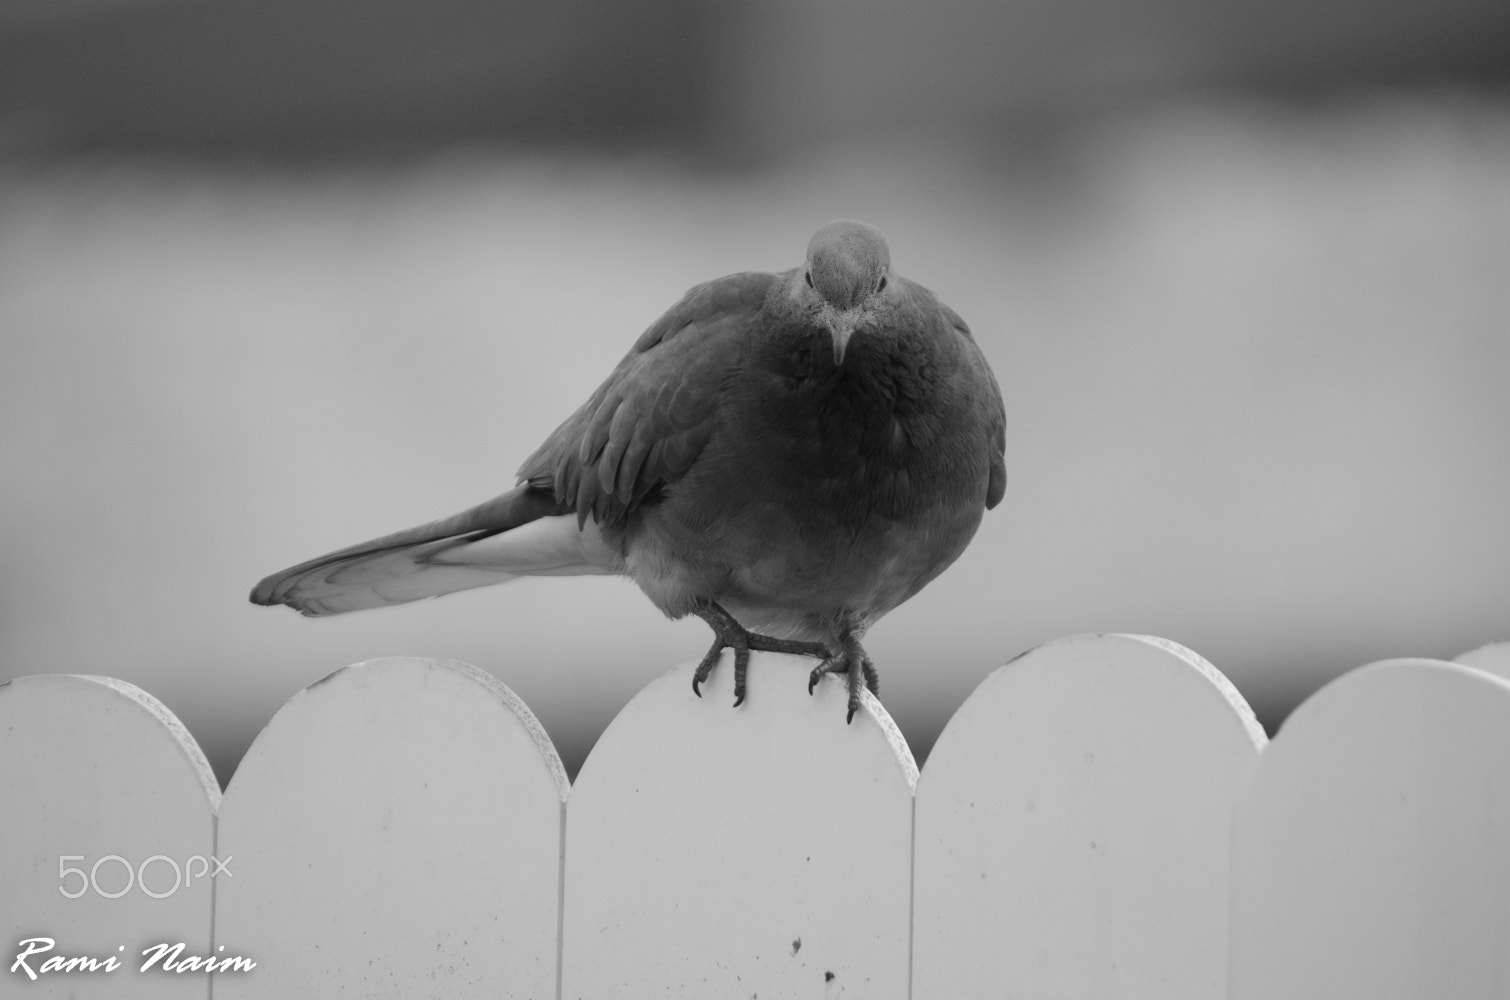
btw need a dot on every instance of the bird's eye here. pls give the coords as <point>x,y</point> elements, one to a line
<point>808,277</point>
<point>881,285</point>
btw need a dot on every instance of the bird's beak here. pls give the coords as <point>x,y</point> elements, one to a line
<point>841,335</point>
<point>841,326</point>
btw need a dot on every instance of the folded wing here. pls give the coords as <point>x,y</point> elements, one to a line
<point>647,423</point>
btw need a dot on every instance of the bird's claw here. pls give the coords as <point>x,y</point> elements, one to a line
<point>741,645</point>
<point>857,668</point>
<point>741,666</point>
<point>729,634</point>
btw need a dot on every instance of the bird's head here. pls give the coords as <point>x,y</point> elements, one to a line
<point>847,274</point>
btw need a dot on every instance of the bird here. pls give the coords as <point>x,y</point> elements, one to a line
<point>788,456</point>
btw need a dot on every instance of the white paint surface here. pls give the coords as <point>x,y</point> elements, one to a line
<point>1072,827</point>
<point>1085,826</point>
<point>738,852</point>
<point>92,768</point>
<point>1372,852</point>
<point>396,829</point>
<point>1495,658</point>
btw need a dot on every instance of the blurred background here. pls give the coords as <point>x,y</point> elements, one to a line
<point>279,277</point>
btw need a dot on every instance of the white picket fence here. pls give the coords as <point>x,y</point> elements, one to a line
<point>1100,819</point>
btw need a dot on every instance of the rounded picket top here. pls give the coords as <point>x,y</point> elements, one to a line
<point>1494,657</point>
<point>1072,833</point>
<point>1372,849</point>
<point>108,801</point>
<point>719,851</point>
<point>396,831</point>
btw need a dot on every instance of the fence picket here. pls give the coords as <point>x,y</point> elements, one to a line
<point>722,852</point>
<point>1100,818</point>
<point>94,768</point>
<point>1372,850</point>
<point>1072,827</point>
<point>397,833</point>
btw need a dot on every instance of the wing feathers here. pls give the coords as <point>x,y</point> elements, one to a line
<point>649,420</point>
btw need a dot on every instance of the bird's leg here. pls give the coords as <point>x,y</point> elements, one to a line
<point>729,634</point>
<point>854,664</point>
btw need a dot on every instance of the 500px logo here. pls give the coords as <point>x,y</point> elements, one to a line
<point>160,865</point>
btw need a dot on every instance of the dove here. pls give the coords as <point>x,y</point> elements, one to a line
<point>787,456</point>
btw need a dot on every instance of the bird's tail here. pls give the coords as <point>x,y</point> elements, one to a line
<point>524,532</point>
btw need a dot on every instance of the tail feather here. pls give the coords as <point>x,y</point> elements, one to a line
<point>524,532</point>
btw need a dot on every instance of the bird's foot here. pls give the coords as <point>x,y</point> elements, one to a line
<point>855,665</point>
<point>729,634</point>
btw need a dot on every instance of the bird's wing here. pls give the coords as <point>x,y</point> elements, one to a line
<point>647,423</point>
<point>641,429</point>
<point>996,418</point>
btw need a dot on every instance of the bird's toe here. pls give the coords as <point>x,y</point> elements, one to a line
<point>824,667</point>
<point>729,634</point>
<point>741,668</point>
<point>854,675</point>
<point>858,671</point>
<point>709,661</point>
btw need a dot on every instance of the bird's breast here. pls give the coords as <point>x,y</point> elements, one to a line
<point>826,488</point>
<point>877,435</point>
<point>857,481</point>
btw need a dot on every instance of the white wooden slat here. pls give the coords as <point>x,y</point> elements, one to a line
<point>1073,827</point>
<point>764,850</point>
<point>1495,658</point>
<point>396,831</point>
<point>95,768</point>
<point>1372,849</point>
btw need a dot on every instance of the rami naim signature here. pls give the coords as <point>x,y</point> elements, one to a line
<point>158,957</point>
